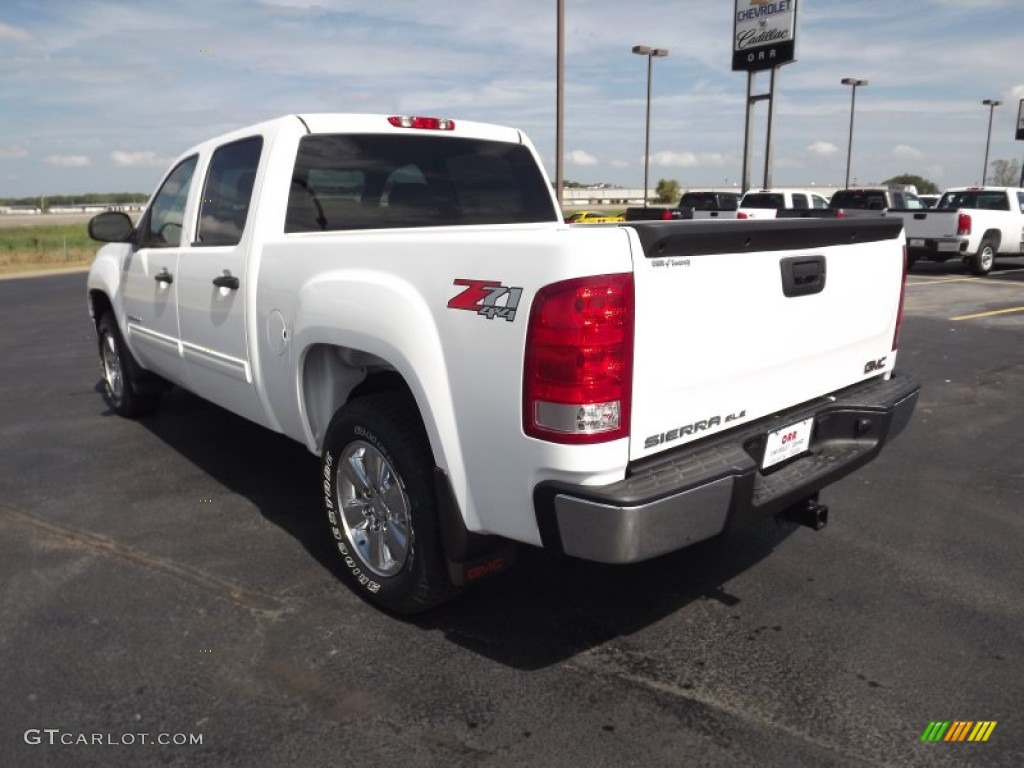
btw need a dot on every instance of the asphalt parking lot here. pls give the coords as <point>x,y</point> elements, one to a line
<point>173,576</point>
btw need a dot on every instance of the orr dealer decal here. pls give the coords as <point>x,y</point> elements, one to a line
<point>488,298</point>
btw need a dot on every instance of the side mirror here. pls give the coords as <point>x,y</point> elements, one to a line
<point>111,227</point>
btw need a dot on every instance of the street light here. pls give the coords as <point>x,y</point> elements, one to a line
<point>852,81</point>
<point>991,104</point>
<point>650,53</point>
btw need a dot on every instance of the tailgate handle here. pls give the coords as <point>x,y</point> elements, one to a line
<point>802,275</point>
<point>920,216</point>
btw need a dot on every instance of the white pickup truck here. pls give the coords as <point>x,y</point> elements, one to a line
<point>400,295</point>
<point>974,224</point>
<point>766,203</point>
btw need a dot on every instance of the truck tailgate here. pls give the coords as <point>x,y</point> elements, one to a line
<point>921,225</point>
<point>736,321</point>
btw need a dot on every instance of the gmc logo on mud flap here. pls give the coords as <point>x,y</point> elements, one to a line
<point>481,296</point>
<point>875,365</point>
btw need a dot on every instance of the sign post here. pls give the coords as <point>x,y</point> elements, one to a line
<point>764,37</point>
<point>1020,136</point>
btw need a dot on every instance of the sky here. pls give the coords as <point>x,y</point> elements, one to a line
<point>101,96</point>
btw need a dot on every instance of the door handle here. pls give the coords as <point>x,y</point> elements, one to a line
<point>227,280</point>
<point>163,276</point>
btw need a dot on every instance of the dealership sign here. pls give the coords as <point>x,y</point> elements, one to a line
<point>764,34</point>
<point>1020,121</point>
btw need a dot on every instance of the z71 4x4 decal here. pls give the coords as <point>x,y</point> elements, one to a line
<point>482,297</point>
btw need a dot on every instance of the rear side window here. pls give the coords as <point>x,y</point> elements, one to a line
<point>800,202</point>
<point>370,181</point>
<point>228,192</point>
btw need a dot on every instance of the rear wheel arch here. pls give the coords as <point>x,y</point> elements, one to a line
<point>995,237</point>
<point>334,375</point>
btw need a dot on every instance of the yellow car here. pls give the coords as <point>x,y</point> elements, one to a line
<point>592,217</point>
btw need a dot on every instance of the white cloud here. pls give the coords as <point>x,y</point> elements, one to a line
<point>579,157</point>
<point>15,34</point>
<point>687,160</point>
<point>67,161</point>
<point>8,153</point>
<point>906,152</point>
<point>822,149</point>
<point>139,159</point>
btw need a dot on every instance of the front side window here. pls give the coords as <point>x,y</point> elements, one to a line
<point>162,225</point>
<point>819,202</point>
<point>228,192</point>
<point>371,181</point>
<point>1020,201</point>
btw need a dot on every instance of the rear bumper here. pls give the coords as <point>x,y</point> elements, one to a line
<point>947,247</point>
<point>692,493</point>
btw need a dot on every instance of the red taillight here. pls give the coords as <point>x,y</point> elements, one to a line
<point>426,123</point>
<point>666,215</point>
<point>741,215</point>
<point>578,367</point>
<point>841,214</point>
<point>963,224</point>
<point>899,312</point>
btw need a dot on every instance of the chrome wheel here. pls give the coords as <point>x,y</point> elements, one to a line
<point>375,508</point>
<point>113,376</point>
<point>986,257</point>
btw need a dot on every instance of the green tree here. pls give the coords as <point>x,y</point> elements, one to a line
<point>924,186</point>
<point>667,191</point>
<point>1005,173</point>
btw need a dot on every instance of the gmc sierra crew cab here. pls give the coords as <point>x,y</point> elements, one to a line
<point>400,295</point>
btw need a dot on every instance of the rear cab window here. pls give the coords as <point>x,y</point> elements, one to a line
<point>763,200</point>
<point>373,181</point>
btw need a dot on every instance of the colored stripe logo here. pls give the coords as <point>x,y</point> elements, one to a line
<point>958,730</point>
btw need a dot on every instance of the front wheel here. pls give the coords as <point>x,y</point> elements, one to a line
<point>121,374</point>
<point>377,475</point>
<point>981,263</point>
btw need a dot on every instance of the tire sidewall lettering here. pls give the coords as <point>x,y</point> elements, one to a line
<point>334,519</point>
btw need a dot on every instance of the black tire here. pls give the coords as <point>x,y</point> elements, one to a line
<point>122,376</point>
<point>981,262</point>
<point>377,478</point>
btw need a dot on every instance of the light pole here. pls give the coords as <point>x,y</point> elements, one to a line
<point>650,53</point>
<point>560,102</point>
<point>854,82</point>
<point>991,104</point>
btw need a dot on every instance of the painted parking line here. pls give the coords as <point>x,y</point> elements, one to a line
<point>993,313</point>
<point>992,279</point>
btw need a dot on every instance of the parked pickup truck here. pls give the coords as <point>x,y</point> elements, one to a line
<point>767,203</point>
<point>873,201</point>
<point>974,224</point>
<point>400,295</point>
<point>692,205</point>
